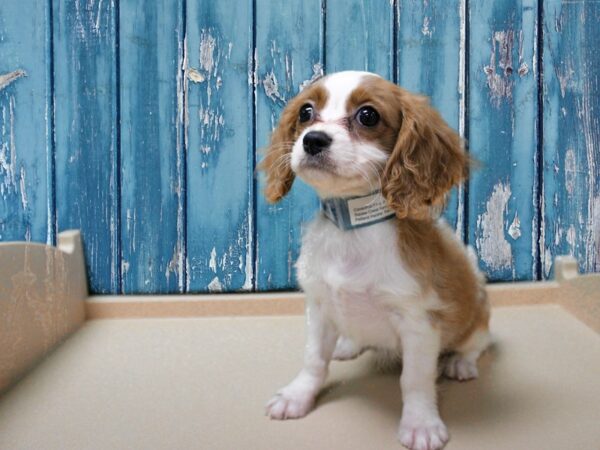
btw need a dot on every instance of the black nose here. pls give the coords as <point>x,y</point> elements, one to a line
<point>315,142</point>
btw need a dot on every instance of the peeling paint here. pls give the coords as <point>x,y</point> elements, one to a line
<point>8,152</point>
<point>493,247</point>
<point>173,264</point>
<point>23,189</point>
<point>537,222</point>
<point>317,73</point>
<point>289,67</point>
<point>515,228</point>
<point>223,264</point>
<point>182,97</point>
<point>211,124</point>
<point>215,285</point>
<point>98,14</point>
<point>570,171</point>
<point>547,262</point>
<point>591,129</point>
<point>500,84</point>
<point>131,223</point>
<point>212,264</point>
<point>564,79</point>
<point>195,76</point>
<point>557,234</point>
<point>249,269</point>
<point>523,69</point>
<point>211,112</point>
<point>88,18</point>
<point>271,87</point>
<point>571,237</point>
<point>8,78</point>
<point>425,30</point>
<point>207,50</point>
<point>253,74</point>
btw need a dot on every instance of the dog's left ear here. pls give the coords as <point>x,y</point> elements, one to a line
<point>427,160</point>
<point>277,162</point>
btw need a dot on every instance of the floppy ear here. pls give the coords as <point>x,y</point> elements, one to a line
<point>277,162</point>
<point>426,161</point>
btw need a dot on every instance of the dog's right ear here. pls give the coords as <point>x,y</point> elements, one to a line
<point>277,162</point>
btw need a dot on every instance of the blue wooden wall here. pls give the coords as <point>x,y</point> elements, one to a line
<point>141,123</point>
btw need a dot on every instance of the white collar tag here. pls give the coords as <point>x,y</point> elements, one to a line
<point>355,212</point>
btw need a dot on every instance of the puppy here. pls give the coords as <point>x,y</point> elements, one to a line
<point>378,267</point>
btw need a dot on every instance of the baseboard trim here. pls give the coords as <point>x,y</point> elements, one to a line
<point>210,305</point>
<point>274,303</point>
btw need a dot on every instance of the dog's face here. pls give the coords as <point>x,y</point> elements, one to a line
<point>351,133</point>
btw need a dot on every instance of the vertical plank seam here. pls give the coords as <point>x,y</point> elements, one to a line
<point>254,185</point>
<point>395,31</point>
<point>184,282</point>
<point>117,251</point>
<point>466,99</point>
<point>540,138</point>
<point>323,42</point>
<point>50,134</point>
<point>460,197</point>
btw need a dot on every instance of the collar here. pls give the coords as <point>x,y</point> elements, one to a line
<point>348,213</point>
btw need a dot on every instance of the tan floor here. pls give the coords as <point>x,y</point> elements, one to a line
<point>202,384</point>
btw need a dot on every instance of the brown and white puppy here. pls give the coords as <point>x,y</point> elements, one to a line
<point>401,283</point>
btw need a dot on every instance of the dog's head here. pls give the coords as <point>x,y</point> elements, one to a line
<point>351,133</point>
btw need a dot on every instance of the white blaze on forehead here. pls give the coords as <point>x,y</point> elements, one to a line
<point>339,87</point>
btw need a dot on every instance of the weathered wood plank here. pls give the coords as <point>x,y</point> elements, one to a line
<point>360,36</point>
<point>152,190</point>
<point>25,123</point>
<point>571,150</point>
<point>132,203</point>
<point>220,146</point>
<point>502,135</point>
<point>288,53</point>
<point>431,62</point>
<point>87,182</point>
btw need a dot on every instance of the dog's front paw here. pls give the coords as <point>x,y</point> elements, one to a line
<point>422,432</point>
<point>290,404</point>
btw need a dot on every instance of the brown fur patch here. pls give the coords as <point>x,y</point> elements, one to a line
<point>439,262</point>
<point>277,162</point>
<point>375,92</point>
<point>426,161</point>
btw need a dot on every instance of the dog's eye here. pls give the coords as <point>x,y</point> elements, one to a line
<point>367,116</point>
<point>306,113</point>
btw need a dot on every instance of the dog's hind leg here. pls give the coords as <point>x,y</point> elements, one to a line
<point>462,363</point>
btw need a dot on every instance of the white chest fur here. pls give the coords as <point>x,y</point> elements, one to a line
<point>359,279</point>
